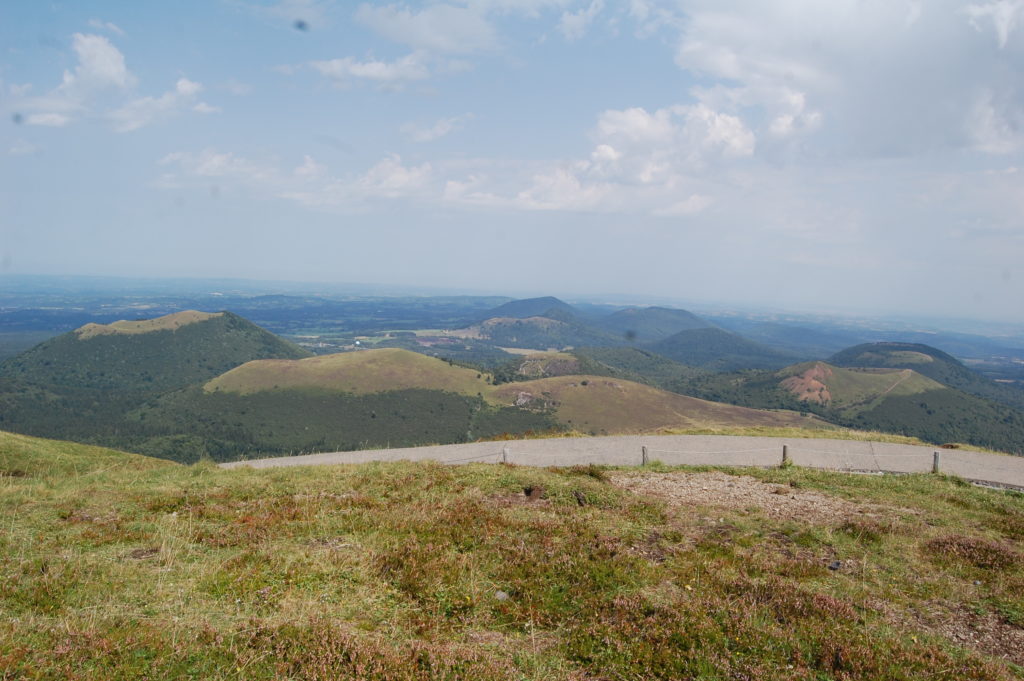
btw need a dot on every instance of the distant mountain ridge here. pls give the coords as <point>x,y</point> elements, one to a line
<point>529,307</point>
<point>719,350</point>
<point>650,324</point>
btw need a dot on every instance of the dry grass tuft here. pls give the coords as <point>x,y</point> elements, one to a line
<point>976,551</point>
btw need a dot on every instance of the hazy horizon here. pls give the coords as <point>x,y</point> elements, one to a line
<point>189,286</point>
<point>792,156</point>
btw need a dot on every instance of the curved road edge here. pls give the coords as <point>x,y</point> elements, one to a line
<point>693,450</point>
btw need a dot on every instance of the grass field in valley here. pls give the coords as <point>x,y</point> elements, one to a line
<point>120,567</point>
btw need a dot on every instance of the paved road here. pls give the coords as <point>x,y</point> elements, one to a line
<point>719,450</point>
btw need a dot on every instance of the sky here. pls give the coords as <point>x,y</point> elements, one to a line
<point>845,155</point>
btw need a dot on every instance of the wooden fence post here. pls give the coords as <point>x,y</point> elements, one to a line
<point>936,460</point>
<point>643,455</point>
<point>785,455</point>
<point>504,454</point>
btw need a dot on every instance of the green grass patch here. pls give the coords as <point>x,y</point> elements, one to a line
<point>422,571</point>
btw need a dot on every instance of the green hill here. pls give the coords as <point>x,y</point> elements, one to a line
<point>538,333</point>
<point>147,356</point>
<point>851,391</point>
<point>361,372</point>
<point>650,324</point>
<point>899,401</point>
<point>930,362</point>
<point>357,400</point>
<point>530,307</point>
<point>80,385</point>
<point>718,350</point>
<point>225,426</point>
<point>637,364</point>
<point>393,397</point>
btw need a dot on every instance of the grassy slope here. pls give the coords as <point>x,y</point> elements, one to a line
<point>932,363</point>
<point>363,372</point>
<point>856,390</point>
<point>603,406</point>
<point>419,571</point>
<point>916,407</point>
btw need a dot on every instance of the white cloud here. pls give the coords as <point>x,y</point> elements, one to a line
<point>390,179</point>
<point>204,108</point>
<point>439,28</point>
<point>574,25</point>
<point>529,8</point>
<point>100,84</point>
<point>100,69</point>
<point>692,205</point>
<point>310,184</point>
<point>50,120</point>
<point>143,111</point>
<point>100,65</point>
<point>408,68</point>
<point>1004,14</point>
<point>106,26</point>
<point>854,79</point>
<point>238,88</point>
<point>210,163</point>
<point>636,125</point>
<point>563,189</point>
<point>310,168</point>
<point>436,131</point>
<point>995,127</point>
<point>652,147</point>
<point>604,153</point>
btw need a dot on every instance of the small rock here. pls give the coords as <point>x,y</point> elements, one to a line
<point>500,596</point>
<point>835,565</point>
<point>977,582</point>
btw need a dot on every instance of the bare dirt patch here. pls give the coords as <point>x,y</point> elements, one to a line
<point>744,492</point>
<point>141,554</point>
<point>987,632</point>
<point>534,495</point>
<point>810,385</point>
